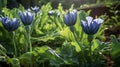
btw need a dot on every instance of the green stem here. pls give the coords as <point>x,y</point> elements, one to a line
<point>61,22</point>
<point>43,64</point>
<point>58,24</point>
<point>90,38</point>
<point>54,20</point>
<point>28,38</point>
<point>14,44</point>
<point>82,49</point>
<point>3,53</point>
<point>90,48</point>
<point>96,58</point>
<point>34,24</point>
<point>81,46</point>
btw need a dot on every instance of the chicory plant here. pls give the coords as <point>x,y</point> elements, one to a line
<point>27,19</point>
<point>35,9</point>
<point>11,26</point>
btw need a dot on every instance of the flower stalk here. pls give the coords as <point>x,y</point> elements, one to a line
<point>90,26</point>
<point>14,44</point>
<point>11,25</point>
<point>90,38</point>
<point>35,9</point>
<point>28,37</point>
<point>27,19</point>
<point>81,46</point>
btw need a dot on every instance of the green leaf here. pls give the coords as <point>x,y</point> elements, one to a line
<point>115,47</point>
<point>2,48</point>
<point>95,45</point>
<point>26,58</point>
<point>83,15</point>
<point>114,40</point>
<point>15,62</point>
<point>39,50</point>
<point>68,53</point>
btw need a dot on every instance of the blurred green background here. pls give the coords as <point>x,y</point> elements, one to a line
<point>47,33</point>
<point>65,3</point>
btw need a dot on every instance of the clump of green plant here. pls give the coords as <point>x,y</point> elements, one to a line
<point>46,37</point>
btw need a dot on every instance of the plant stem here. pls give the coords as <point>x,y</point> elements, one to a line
<point>28,38</point>
<point>34,24</point>
<point>90,38</point>
<point>3,53</point>
<point>14,44</point>
<point>81,46</point>
<point>82,49</point>
<point>90,48</point>
<point>43,64</point>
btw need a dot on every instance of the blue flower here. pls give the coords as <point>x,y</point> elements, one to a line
<point>91,26</point>
<point>35,9</point>
<point>26,17</point>
<point>9,24</point>
<point>51,13</point>
<point>70,18</point>
<point>0,19</point>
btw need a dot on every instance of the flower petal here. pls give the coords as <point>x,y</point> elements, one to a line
<point>85,26</point>
<point>89,20</point>
<point>66,20</point>
<point>98,20</point>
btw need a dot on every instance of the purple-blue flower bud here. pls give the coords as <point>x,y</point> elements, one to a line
<point>51,13</point>
<point>26,17</point>
<point>10,25</point>
<point>35,9</point>
<point>70,18</point>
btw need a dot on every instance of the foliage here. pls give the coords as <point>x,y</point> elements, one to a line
<point>54,44</point>
<point>2,4</point>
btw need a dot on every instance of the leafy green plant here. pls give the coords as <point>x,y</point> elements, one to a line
<point>3,3</point>
<point>55,44</point>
